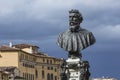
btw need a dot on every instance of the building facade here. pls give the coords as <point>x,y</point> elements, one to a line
<point>10,73</point>
<point>32,64</point>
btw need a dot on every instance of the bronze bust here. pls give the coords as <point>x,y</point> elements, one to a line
<point>75,38</point>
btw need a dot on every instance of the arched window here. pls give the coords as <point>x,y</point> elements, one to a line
<point>51,76</point>
<point>43,74</point>
<point>48,76</point>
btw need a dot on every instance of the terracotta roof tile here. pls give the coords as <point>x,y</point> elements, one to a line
<point>24,46</point>
<point>2,48</point>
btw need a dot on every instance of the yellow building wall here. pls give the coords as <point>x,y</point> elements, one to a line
<point>9,58</point>
<point>18,58</point>
<point>29,50</point>
<point>49,66</point>
<point>25,62</point>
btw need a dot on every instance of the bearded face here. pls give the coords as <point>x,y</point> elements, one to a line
<point>74,22</point>
<point>74,27</point>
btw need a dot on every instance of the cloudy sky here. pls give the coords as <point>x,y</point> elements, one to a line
<point>40,22</point>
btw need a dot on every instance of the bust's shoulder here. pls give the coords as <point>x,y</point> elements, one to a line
<point>84,30</point>
<point>66,32</point>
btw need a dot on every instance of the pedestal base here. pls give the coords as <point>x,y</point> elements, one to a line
<point>74,75</point>
<point>75,69</point>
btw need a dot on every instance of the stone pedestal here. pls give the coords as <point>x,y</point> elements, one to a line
<point>75,69</point>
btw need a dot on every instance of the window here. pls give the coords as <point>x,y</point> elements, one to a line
<point>32,66</point>
<point>50,61</point>
<point>43,74</point>
<point>24,75</point>
<point>55,69</point>
<point>48,76</point>
<point>43,60</point>
<point>28,65</point>
<point>0,56</point>
<point>55,77</point>
<point>26,57</point>
<point>51,76</point>
<point>42,67</point>
<point>20,57</point>
<point>33,77</point>
<point>51,68</point>
<point>54,61</point>
<point>34,59</point>
<point>48,68</point>
<point>36,73</point>
<point>30,58</point>
<point>30,78</point>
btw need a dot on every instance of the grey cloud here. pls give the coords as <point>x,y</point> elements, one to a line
<point>39,22</point>
<point>108,31</point>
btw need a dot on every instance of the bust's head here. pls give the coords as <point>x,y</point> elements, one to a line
<point>75,18</point>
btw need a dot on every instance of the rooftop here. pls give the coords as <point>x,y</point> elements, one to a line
<point>21,46</point>
<point>2,48</point>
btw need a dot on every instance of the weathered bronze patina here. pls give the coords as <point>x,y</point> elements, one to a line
<point>74,40</point>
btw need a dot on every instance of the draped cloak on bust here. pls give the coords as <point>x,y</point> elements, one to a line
<point>75,41</point>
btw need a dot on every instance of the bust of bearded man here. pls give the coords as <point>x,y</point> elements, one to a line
<point>75,38</point>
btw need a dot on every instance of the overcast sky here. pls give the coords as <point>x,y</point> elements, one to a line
<point>40,22</point>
